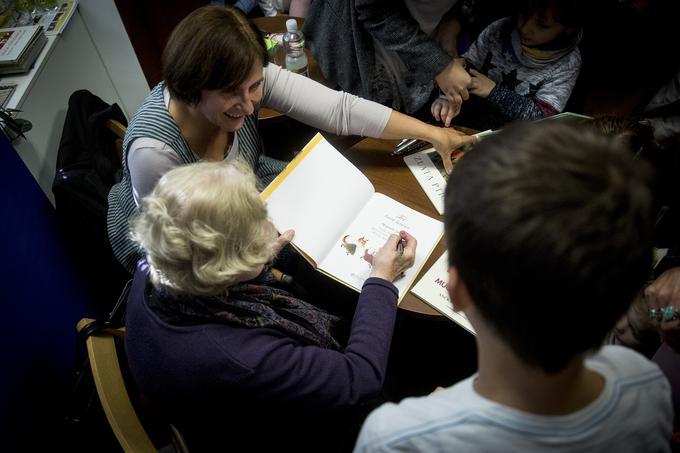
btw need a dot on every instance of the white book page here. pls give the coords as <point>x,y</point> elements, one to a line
<point>350,257</point>
<point>320,196</point>
<point>432,290</point>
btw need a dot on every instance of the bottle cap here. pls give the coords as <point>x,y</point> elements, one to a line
<point>291,25</point>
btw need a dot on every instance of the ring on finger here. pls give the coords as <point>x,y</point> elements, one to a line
<point>655,313</point>
<point>670,313</point>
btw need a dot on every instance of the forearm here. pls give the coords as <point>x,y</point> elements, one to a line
<point>316,378</point>
<point>515,106</point>
<point>404,126</point>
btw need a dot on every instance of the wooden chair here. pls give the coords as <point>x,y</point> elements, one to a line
<point>119,130</point>
<point>108,379</point>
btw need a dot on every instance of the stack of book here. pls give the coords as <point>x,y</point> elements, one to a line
<point>19,48</point>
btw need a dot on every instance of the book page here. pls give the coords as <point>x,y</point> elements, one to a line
<point>317,195</point>
<point>350,258</point>
<point>567,117</point>
<point>431,289</point>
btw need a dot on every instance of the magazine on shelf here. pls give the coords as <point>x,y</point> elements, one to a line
<point>339,219</point>
<point>6,91</point>
<point>55,20</point>
<point>19,48</point>
<point>431,289</point>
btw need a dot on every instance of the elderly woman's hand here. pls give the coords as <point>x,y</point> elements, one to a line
<point>663,299</point>
<point>283,240</point>
<point>392,260</point>
<point>447,141</point>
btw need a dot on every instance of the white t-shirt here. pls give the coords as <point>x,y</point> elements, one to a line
<point>633,413</point>
<point>291,94</point>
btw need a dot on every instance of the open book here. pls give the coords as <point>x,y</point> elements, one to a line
<point>431,289</point>
<point>339,219</point>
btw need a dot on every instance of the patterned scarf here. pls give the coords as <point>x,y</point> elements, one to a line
<point>541,56</point>
<point>254,304</point>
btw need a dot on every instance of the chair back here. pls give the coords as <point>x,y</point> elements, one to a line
<point>119,130</point>
<point>113,394</point>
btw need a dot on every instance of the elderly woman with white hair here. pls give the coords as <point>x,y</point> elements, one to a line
<point>220,346</point>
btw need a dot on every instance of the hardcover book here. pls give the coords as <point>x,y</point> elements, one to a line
<point>19,48</point>
<point>339,220</point>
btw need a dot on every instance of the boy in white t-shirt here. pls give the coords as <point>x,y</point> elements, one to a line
<point>549,239</point>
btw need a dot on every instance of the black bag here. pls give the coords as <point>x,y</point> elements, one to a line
<point>87,167</point>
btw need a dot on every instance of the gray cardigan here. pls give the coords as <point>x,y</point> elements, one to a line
<point>340,35</point>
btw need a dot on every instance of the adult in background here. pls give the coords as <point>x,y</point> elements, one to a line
<point>226,352</point>
<point>385,50</point>
<point>216,76</point>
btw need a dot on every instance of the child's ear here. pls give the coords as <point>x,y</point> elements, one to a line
<point>458,293</point>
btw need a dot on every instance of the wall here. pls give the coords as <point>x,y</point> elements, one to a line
<point>107,32</point>
<point>78,61</point>
<point>42,300</point>
<point>42,297</point>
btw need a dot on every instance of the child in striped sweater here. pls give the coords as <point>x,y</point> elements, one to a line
<point>523,67</point>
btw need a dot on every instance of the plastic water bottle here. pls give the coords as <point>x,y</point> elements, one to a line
<point>294,46</point>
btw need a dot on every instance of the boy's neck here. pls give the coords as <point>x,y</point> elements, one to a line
<point>505,379</point>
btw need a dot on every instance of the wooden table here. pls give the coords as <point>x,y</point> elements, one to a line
<point>391,177</point>
<point>277,24</point>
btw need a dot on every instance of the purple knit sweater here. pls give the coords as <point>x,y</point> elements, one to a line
<point>211,375</point>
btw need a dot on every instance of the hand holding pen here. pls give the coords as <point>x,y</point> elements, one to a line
<point>395,257</point>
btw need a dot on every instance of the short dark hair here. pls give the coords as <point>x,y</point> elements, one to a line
<point>569,13</point>
<point>550,228</point>
<point>212,48</point>
<point>635,133</point>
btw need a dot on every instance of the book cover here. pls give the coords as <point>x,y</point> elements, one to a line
<point>16,40</point>
<point>27,58</point>
<point>431,289</point>
<point>428,169</point>
<point>339,219</point>
<point>55,20</point>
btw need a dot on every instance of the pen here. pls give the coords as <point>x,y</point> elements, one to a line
<point>410,148</point>
<point>403,144</point>
<point>400,246</point>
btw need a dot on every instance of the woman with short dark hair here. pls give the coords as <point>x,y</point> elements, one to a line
<point>216,76</point>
